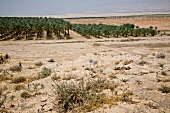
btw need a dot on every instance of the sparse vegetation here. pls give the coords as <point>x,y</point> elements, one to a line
<point>126,62</point>
<point>106,81</point>
<point>15,68</point>
<point>74,68</point>
<point>164,73</point>
<point>68,77</point>
<point>35,88</point>
<point>3,78</point>
<point>2,102</point>
<point>51,60</point>
<point>55,77</point>
<point>161,65</point>
<point>159,55</point>
<point>82,96</point>
<point>87,68</point>
<point>142,63</point>
<point>117,62</point>
<point>19,79</point>
<point>1,91</point>
<point>112,76</point>
<point>4,59</point>
<point>124,80</point>
<point>25,94</point>
<point>152,105</point>
<point>38,64</point>
<point>45,72</point>
<point>31,67</point>
<point>96,44</point>
<point>164,89</point>
<point>19,87</point>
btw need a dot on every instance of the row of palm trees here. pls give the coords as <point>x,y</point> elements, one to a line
<point>28,27</point>
<point>40,28</point>
<point>103,30</point>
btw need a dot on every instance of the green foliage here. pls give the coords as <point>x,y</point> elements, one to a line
<point>45,72</point>
<point>153,32</point>
<point>29,27</point>
<point>103,30</point>
<point>19,79</point>
<point>15,68</point>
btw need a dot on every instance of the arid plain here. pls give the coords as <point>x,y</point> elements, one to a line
<point>132,74</point>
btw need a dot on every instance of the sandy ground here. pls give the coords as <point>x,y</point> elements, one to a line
<point>146,75</point>
<point>141,80</point>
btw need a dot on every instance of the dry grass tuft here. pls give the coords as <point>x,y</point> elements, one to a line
<point>19,79</point>
<point>19,87</point>
<point>38,64</point>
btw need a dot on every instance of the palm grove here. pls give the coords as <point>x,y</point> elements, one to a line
<point>18,28</point>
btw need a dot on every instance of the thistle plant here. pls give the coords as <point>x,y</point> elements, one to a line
<point>90,61</point>
<point>95,62</point>
<point>101,70</point>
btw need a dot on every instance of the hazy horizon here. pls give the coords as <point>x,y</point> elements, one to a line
<point>63,7</point>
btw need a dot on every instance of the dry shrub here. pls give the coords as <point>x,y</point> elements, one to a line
<point>83,97</point>
<point>164,89</point>
<point>161,65</point>
<point>19,87</point>
<point>38,64</point>
<point>126,62</point>
<point>142,63</point>
<point>117,62</point>
<point>55,77</point>
<point>112,76</point>
<point>1,90</point>
<point>152,105</point>
<point>45,72</point>
<point>159,55</point>
<point>164,73</point>
<point>25,94</point>
<point>74,68</point>
<point>15,68</point>
<point>51,60</point>
<point>96,44</point>
<point>3,78</point>
<point>19,79</point>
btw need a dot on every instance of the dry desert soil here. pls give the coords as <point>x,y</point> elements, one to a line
<point>133,74</point>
